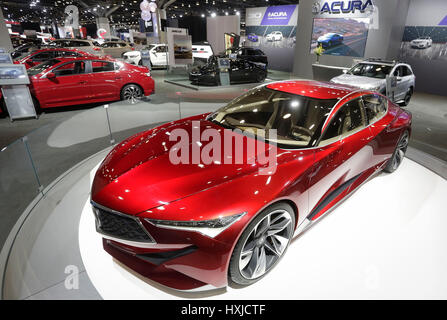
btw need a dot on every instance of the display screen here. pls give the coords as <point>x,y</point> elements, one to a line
<point>340,36</point>
<point>12,72</point>
<point>5,58</point>
<point>224,63</point>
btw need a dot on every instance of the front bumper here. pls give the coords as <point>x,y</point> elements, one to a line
<point>182,260</point>
<point>419,45</point>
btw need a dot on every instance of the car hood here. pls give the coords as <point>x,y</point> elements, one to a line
<point>358,81</point>
<point>138,175</point>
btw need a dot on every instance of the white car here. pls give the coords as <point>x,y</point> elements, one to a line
<point>422,43</point>
<point>275,36</point>
<point>157,55</point>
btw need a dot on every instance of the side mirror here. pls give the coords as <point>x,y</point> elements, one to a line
<point>51,75</point>
<point>345,71</point>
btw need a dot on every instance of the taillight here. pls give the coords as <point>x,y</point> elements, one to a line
<point>96,49</point>
<point>133,49</point>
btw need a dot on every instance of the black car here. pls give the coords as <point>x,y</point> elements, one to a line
<point>240,71</point>
<point>251,54</point>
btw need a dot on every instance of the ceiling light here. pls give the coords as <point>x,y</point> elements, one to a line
<point>213,14</point>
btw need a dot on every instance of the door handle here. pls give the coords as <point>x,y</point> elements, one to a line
<point>118,78</point>
<point>83,82</point>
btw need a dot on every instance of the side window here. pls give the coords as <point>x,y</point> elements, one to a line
<point>375,107</point>
<point>43,56</point>
<point>70,69</point>
<point>103,66</point>
<point>398,72</point>
<point>406,71</point>
<point>349,119</point>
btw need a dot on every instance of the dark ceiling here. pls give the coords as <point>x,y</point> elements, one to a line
<point>124,12</point>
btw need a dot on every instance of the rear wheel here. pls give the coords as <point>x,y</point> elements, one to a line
<point>131,93</point>
<point>399,153</point>
<point>262,244</point>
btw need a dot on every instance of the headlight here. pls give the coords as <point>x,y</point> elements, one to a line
<point>210,228</point>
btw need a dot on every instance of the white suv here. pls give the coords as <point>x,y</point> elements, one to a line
<point>422,43</point>
<point>157,54</point>
<point>275,36</point>
<point>371,75</point>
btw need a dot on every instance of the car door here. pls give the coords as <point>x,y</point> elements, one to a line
<point>70,86</point>
<point>236,71</point>
<point>401,83</point>
<point>339,157</point>
<point>158,55</point>
<point>384,137</point>
<point>107,80</point>
<point>407,77</point>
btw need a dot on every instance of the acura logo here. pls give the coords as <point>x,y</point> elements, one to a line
<point>337,7</point>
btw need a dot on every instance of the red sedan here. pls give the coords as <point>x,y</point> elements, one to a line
<point>198,222</point>
<point>89,79</point>
<point>38,56</point>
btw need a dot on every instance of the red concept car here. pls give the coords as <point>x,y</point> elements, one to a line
<point>88,79</point>
<point>193,225</point>
<point>38,56</point>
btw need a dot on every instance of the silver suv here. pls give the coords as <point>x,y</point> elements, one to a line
<point>371,75</point>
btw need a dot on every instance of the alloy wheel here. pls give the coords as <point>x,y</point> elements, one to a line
<point>132,94</point>
<point>266,243</point>
<point>400,151</point>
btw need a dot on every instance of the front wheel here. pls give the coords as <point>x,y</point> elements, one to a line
<point>131,93</point>
<point>407,98</point>
<point>399,153</point>
<point>262,244</point>
<point>260,77</point>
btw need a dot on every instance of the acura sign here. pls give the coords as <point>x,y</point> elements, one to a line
<point>343,7</point>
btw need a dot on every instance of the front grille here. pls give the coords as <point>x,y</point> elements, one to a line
<point>121,226</point>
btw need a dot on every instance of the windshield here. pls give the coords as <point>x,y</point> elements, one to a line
<point>42,67</point>
<point>370,70</point>
<point>297,119</point>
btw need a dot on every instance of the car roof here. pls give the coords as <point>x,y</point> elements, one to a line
<point>58,49</point>
<point>90,57</point>
<point>313,89</point>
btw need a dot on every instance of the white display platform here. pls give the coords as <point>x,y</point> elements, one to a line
<point>387,241</point>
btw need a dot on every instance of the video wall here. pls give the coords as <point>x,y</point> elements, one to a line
<point>273,30</point>
<point>340,36</point>
<point>424,42</point>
